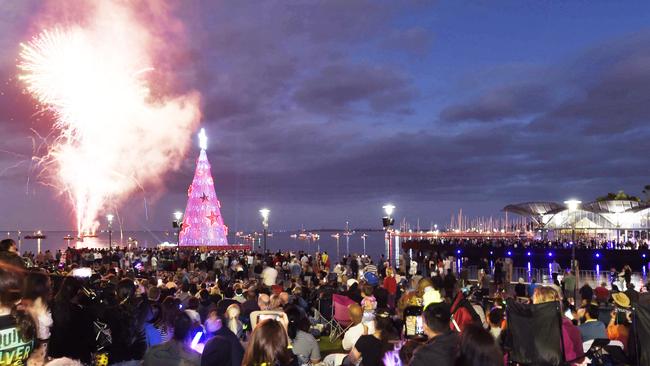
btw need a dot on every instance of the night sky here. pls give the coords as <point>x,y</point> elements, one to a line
<point>324,111</point>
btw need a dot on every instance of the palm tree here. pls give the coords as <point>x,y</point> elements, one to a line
<point>646,191</point>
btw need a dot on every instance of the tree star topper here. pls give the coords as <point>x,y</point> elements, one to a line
<point>203,139</point>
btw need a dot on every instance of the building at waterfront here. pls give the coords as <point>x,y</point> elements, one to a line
<point>602,220</point>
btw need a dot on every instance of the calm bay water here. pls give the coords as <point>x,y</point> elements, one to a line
<point>374,242</point>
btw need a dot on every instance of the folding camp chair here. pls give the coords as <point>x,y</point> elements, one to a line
<point>640,333</point>
<point>544,345</point>
<point>323,314</point>
<point>340,316</point>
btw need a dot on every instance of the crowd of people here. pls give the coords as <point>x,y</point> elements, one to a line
<point>536,243</point>
<point>148,306</point>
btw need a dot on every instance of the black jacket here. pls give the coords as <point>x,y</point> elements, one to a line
<point>72,333</point>
<point>224,349</point>
<point>127,330</point>
<point>440,351</point>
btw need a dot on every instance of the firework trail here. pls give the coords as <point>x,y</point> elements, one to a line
<point>112,135</point>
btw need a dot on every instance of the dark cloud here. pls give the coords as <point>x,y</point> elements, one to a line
<point>338,88</point>
<point>616,101</point>
<point>500,103</point>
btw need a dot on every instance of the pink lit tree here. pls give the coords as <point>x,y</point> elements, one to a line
<point>202,222</point>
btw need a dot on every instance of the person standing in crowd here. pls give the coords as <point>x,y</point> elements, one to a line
<point>18,329</point>
<point>269,345</point>
<point>442,343</point>
<point>72,333</point>
<point>450,284</point>
<point>569,285</point>
<point>126,322</point>
<point>555,271</point>
<point>177,350</point>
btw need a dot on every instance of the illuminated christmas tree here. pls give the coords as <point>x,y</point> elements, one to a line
<point>202,222</point>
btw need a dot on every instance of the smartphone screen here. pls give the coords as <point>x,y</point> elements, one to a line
<point>568,314</point>
<point>267,316</point>
<point>413,325</point>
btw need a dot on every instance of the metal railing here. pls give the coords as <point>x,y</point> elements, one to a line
<point>541,275</point>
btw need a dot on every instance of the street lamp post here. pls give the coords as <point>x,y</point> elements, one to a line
<point>109,218</point>
<point>388,222</point>
<point>573,205</point>
<point>363,237</point>
<point>178,225</point>
<point>265,223</point>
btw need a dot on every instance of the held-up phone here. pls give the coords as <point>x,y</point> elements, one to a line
<point>413,322</point>
<point>83,272</point>
<point>258,316</point>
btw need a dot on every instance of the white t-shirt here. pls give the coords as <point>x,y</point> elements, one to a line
<point>269,275</point>
<point>353,333</point>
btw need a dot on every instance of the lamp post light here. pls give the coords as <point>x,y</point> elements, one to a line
<point>109,218</point>
<point>178,225</point>
<point>265,223</point>
<point>573,206</point>
<point>363,237</point>
<point>388,222</point>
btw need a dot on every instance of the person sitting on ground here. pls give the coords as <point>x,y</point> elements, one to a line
<point>632,294</point>
<point>177,350</point>
<point>477,347</point>
<point>269,276</point>
<point>269,345</point>
<point>442,345</point>
<point>618,328</point>
<point>602,293</point>
<point>586,294</point>
<point>371,348</point>
<point>223,347</point>
<point>232,318</point>
<point>495,319</point>
<point>353,291</point>
<point>264,302</point>
<point>304,344</point>
<point>592,328</point>
<point>571,339</point>
<point>358,328</point>
<point>520,288</point>
<point>368,301</point>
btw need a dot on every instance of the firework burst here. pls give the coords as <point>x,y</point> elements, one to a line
<point>112,136</point>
